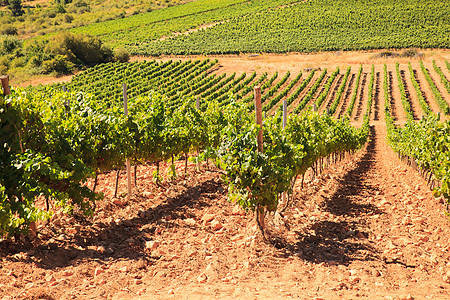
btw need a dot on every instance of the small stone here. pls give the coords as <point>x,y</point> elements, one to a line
<point>29,285</point>
<point>202,278</point>
<point>190,222</point>
<point>71,230</point>
<point>67,273</point>
<point>238,211</point>
<point>237,237</point>
<point>98,271</point>
<point>354,279</point>
<point>152,245</point>
<point>54,283</point>
<point>408,297</point>
<point>208,218</point>
<point>216,225</point>
<point>350,233</point>
<point>130,241</point>
<point>123,269</point>
<point>101,249</point>
<point>359,235</point>
<point>127,223</point>
<point>117,202</point>
<point>376,273</point>
<point>171,292</point>
<point>423,238</point>
<point>137,281</point>
<point>148,194</point>
<point>50,278</point>
<point>384,202</point>
<point>418,221</point>
<point>446,279</point>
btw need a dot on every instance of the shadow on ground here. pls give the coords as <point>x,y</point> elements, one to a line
<point>121,240</point>
<point>340,242</point>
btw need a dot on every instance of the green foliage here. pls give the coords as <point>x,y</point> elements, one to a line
<point>35,163</point>
<point>257,179</point>
<point>426,142</point>
<point>59,64</point>
<point>79,49</point>
<point>8,30</point>
<point>142,28</point>
<point>9,44</point>
<point>60,54</point>
<point>121,55</point>
<point>16,7</point>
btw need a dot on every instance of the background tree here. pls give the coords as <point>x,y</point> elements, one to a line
<point>16,7</point>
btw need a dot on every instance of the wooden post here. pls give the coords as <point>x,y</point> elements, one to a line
<point>197,164</point>
<point>68,100</point>
<point>5,84</point>
<point>259,140</point>
<point>315,107</point>
<point>258,110</point>
<point>284,195</point>
<point>125,108</point>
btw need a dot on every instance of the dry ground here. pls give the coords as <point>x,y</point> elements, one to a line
<point>368,227</point>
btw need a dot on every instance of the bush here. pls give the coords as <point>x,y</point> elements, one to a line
<point>121,55</point>
<point>79,49</point>
<point>59,65</point>
<point>8,30</point>
<point>68,18</point>
<point>9,44</point>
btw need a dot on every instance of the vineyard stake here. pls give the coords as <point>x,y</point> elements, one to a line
<point>258,110</point>
<point>5,84</point>
<point>284,195</point>
<point>125,108</point>
<point>259,140</point>
<point>198,152</point>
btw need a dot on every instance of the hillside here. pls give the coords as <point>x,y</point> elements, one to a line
<point>40,17</point>
<point>282,26</point>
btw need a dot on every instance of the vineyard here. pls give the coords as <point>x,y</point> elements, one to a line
<point>237,26</point>
<point>329,196</point>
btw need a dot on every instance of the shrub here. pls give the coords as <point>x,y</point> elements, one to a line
<point>8,30</point>
<point>9,44</point>
<point>59,65</point>
<point>68,18</point>
<point>79,49</point>
<point>121,55</point>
